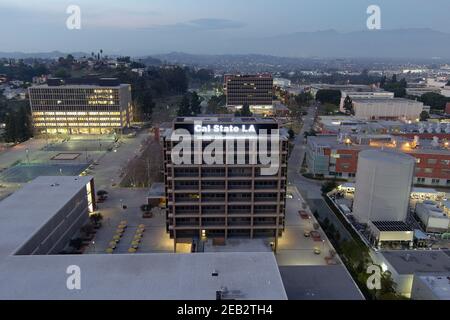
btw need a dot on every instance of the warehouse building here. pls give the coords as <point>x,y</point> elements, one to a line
<point>387,109</point>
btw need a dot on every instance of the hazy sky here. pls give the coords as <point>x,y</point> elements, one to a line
<point>157,26</point>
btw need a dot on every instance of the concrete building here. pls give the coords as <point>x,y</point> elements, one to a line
<point>364,94</point>
<point>49,210</point>
<point>388,233</point>
<point>282,82</point>
<point>231,197</point>
<point>388,109</point>
<point>431,287</point>
<point>255,90</point>
<point>81,106</point>
<point>383,186</point>
<point>404,265</point>
<point>39,219</point>
<point>433,216</point>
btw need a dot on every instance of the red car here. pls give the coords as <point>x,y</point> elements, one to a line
<point>303,214</point>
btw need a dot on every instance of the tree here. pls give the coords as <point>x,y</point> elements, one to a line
<point>96,218</point>
<point>10,128</point>
<point>434,100</point>
<point>397,87</point>
<point>291,133</point>
<point>18,125</point>
<point>245,111</point>
<point>76,243</point>
<point>184,108</point>
<point>329,186</point>
<point>424,116</point>
<point>348,105</point>
<point>329,96</point>
<point>62,73</point>
<point>195,104</point>
<point>216,105</point>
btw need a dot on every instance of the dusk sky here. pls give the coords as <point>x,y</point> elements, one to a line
<point>139,27</point>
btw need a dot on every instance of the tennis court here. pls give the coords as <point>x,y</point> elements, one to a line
<point>80,145</point>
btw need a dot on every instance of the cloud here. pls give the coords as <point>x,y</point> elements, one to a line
<point>205,24</point>
<point>216,24</point>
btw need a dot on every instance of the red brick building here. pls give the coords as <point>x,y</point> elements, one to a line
<point>329,158</point>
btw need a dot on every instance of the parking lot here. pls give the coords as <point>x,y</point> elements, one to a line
<point>297,246</point>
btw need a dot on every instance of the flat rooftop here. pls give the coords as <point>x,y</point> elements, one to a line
<point>391,226</point>
<point>331,282</point>
<point>27,210</point>
<point>157,190</point>
<point>248,275</point>
<point>417,261</point>
<point>386,100</point>
<point>226,119</point>
<point>156,276</point>
<point>331,141</point>
<point>438,284</point>
<point>87,82</point>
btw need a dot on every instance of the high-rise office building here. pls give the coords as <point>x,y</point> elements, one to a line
<point>254,90</point>
<point>232,196</point>
<point>81,106</point>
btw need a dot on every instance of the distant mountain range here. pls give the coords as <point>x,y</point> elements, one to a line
<point>40,55</point>
<point>396,44</point>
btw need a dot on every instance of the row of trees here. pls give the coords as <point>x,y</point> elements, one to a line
<point>189,105</point>
<point>18,125</point>
<point>435,100</point>
<point>21,70</point>
<point>244,111</point>
<point>392,85</point>
<point>155,83</point>
<point>329,96</point>
<point>356,257</point>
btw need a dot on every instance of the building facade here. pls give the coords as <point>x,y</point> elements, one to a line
<point>255,90</point>
<point>327,156</point>
<point>50,210</point>
<point>100,106</point>
<point>227,199</point>
<point>388,109</point>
